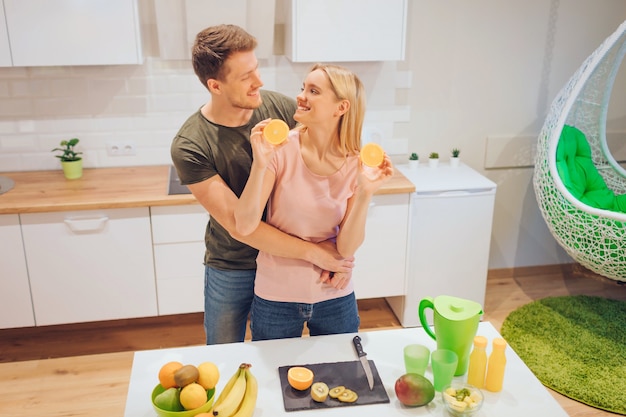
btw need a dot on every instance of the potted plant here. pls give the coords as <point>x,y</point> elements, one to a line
<point>433,159</point>
<point>71,161</point>
<point>454,160</point>
<point>414,160</point>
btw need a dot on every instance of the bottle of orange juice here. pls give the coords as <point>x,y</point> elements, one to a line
<point>478,363</point>
<point>495,366</point>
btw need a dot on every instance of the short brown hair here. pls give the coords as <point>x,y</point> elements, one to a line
<point>214,45</point>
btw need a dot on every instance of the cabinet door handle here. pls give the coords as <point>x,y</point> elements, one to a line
<point>86,224</point>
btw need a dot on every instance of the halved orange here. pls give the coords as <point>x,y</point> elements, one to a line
<point>300,377</point>
<point>372,154</point>
<point>276,131</point>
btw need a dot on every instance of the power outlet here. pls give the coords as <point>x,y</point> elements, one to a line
<point>126,148</point>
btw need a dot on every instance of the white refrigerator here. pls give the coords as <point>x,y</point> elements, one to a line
<point>450,220</point>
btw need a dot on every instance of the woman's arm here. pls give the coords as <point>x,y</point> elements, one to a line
<point>352,228</point>
<point>219,201</point>
<point>249,208</point>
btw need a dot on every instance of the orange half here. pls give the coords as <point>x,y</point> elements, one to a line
<point>276,131</point>
<point>372,154</point>
<point>300,377</point>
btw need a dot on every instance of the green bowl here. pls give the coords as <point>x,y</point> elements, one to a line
<point>187,413</point>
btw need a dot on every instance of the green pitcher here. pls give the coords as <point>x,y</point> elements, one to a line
<point>456,322</point>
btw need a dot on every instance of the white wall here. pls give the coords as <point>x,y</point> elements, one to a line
<point>484,75</point>
<point>479,75</point>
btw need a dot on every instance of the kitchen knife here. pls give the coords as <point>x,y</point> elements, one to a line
<point>363,358</point>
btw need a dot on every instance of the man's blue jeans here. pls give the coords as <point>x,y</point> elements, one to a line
<point>227,300</point>
<point>278,320</point>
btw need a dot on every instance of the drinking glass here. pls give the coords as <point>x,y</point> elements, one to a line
<point>444,365</point>
<point>416,358</point>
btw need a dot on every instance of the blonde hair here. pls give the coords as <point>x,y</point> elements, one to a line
<point>347,86</point>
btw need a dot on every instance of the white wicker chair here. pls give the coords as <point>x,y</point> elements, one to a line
<point>593,237</point>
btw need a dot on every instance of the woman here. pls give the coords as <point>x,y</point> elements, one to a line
<point>315,188</point>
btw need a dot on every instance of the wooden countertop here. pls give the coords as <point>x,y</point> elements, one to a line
<point>102,188</point>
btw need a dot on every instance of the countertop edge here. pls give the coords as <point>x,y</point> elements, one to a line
<point>98,189</point>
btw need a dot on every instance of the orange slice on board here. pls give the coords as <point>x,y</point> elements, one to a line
<point>276,131</point>
<point>372,154</point>
<point>300,377</point>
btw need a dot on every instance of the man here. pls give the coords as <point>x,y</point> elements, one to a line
<point>212,155</point>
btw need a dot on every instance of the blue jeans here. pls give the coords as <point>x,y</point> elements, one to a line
<point>227,299</point>
<point>279,320</point>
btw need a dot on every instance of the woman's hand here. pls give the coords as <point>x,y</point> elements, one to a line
<point>262,150</point>
<point>370,179</point>
<point>338,280</point>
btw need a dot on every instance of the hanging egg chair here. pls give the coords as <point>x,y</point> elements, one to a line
<point>580,188</point>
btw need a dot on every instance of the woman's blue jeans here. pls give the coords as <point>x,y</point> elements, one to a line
<point>227,300</point>
<point>278,320</point>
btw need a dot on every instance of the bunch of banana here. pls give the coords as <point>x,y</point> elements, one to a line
<point>238,398</point>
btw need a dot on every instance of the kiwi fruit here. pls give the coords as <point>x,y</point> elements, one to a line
<point>186,375</point>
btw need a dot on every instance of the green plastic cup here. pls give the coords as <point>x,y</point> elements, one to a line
<point>444,365</point>
<point>416,358</point>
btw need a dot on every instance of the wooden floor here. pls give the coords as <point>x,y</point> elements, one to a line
<point>506,290</point>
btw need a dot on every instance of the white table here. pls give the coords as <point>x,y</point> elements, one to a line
<point>523,395</point>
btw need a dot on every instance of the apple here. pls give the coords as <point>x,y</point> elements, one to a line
<point>414,390</point>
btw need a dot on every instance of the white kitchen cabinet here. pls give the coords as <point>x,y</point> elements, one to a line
<point>345,30</point>
<point>16,307</point>
<point>90,265</point>
<point>5,49</point>
<point>178,23</point>
<point>70,32</point>
<point>178,239</point>
<point>380,262</point>
<point>451,216</point>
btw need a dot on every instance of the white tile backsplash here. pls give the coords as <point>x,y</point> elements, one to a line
<point>146,103</point>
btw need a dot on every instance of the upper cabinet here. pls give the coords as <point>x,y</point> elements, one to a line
<point>70,32</point>
<point>178,23</point>
<point>345,30</point>
<point>5,50</point>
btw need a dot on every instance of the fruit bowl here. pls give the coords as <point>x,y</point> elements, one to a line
<point>187,413</point>
<point>461,399</point>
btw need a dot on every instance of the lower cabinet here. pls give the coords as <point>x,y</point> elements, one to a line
<point>16,307</point>
<point>90,265</point>
<point>178,243</point>
<point>380,262</point>
<point>111,264</point>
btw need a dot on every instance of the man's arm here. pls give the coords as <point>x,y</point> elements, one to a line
<point>219,200</point>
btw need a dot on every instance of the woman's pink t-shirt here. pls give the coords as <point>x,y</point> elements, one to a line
<point>311,207</point>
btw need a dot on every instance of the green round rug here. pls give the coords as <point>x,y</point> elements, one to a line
<point>575,345</point>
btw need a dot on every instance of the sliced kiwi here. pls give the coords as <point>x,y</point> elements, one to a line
<point>348,396</point>
<point>336,392</point>
<point>319,392</point>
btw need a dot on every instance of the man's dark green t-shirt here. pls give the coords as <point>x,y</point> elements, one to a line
<point>202,149</point>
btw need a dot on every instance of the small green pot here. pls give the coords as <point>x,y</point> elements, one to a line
<point>72,169</point>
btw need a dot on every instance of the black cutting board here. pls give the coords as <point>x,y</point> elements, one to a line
<point>349,374</point>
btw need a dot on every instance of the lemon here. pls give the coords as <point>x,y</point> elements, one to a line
<point>209,375</point>
<point>193,396</point>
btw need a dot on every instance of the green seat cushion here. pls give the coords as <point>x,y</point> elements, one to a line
<point>580,176</point>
